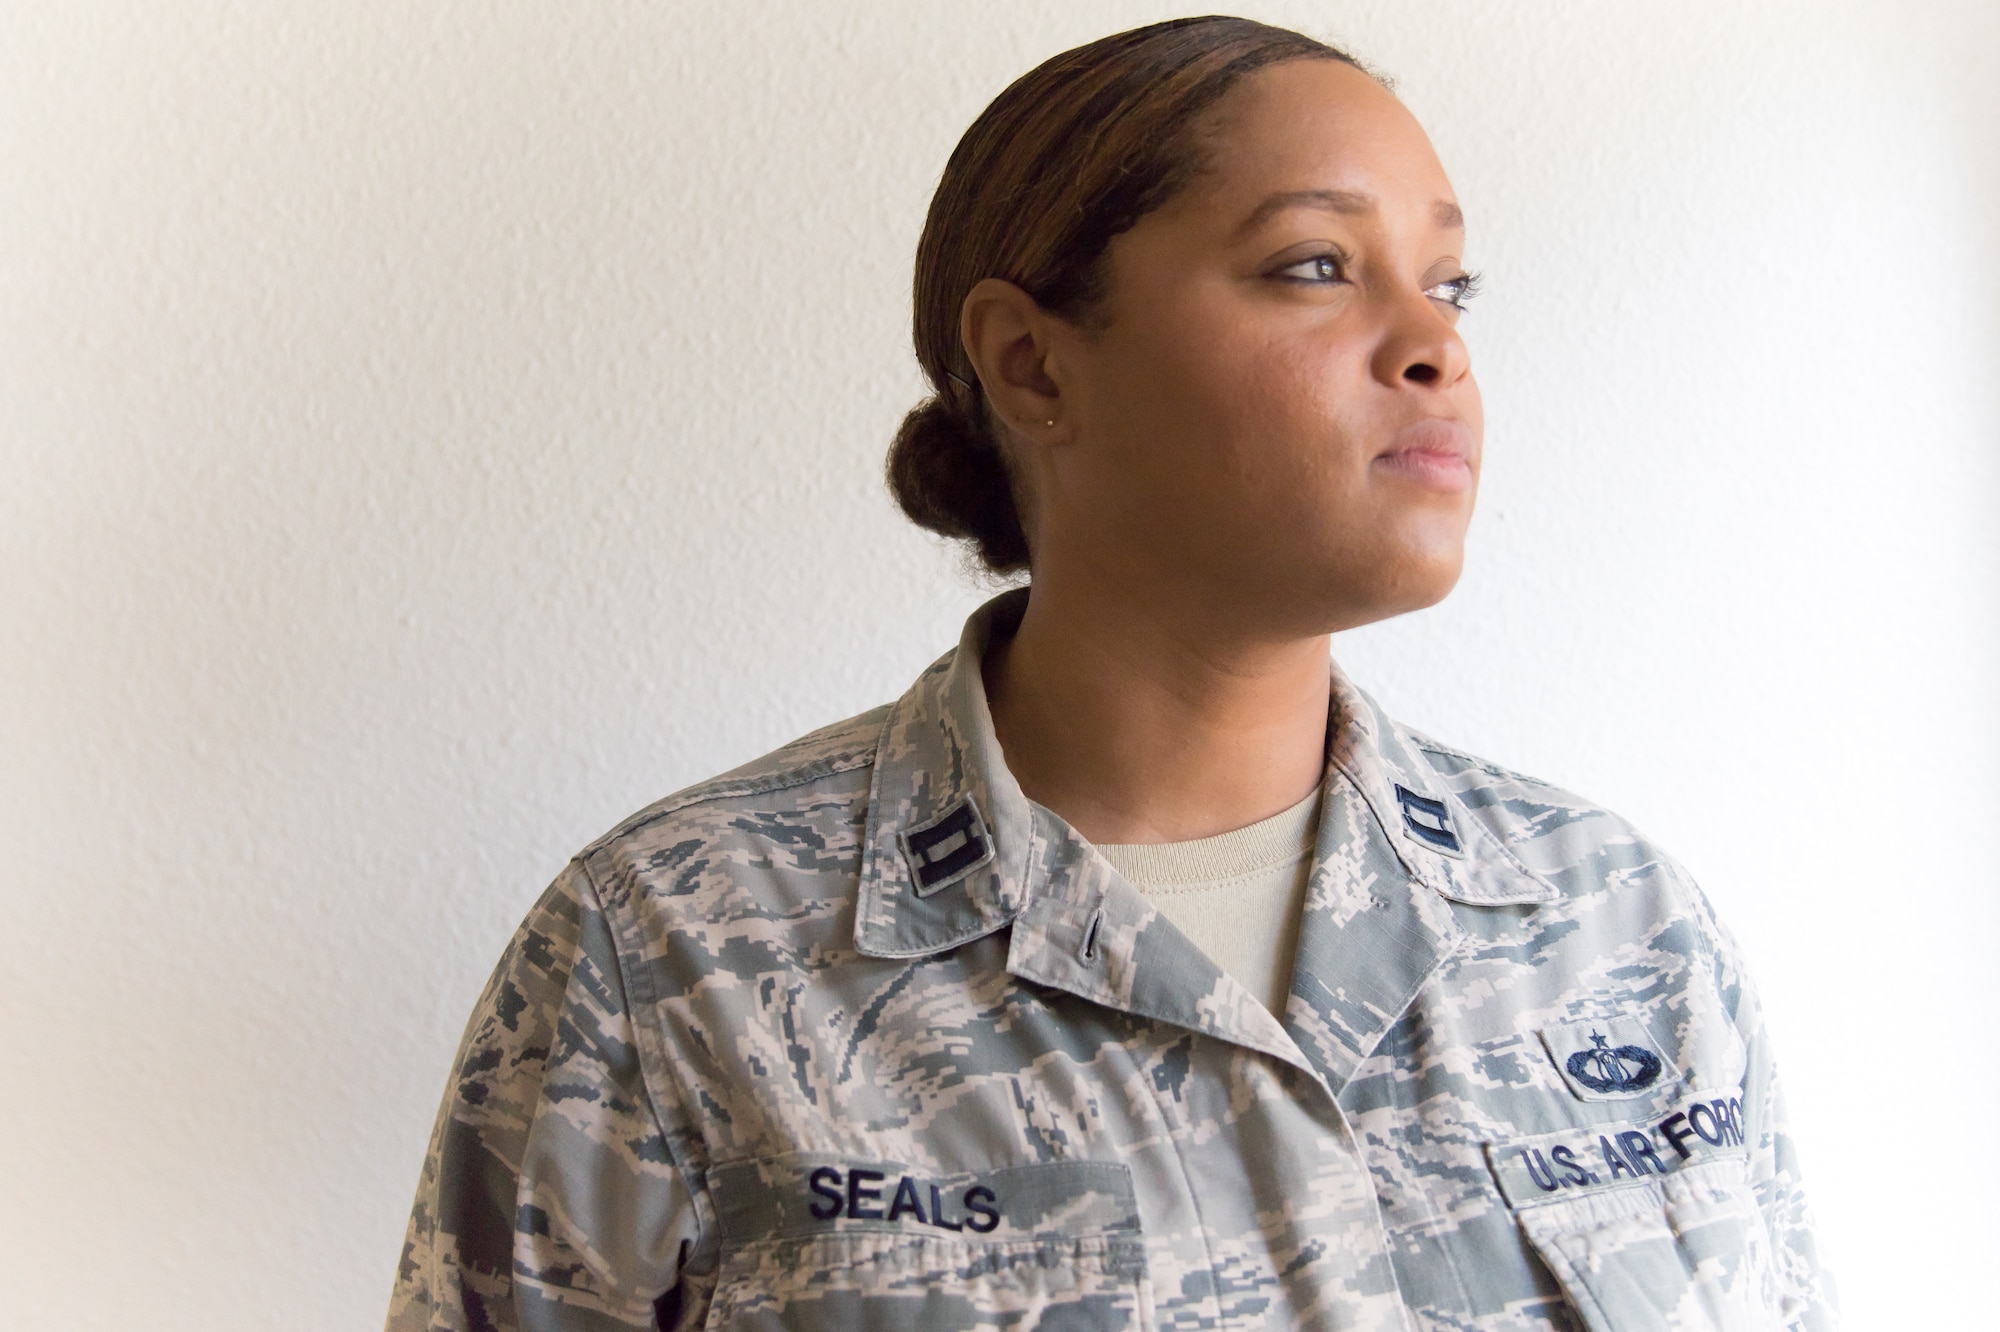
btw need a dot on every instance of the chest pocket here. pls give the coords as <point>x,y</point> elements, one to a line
<point>1651,1225</point>
<point>1684,1254</point>
<point>811,1242</point>
<point>1648,1226</point>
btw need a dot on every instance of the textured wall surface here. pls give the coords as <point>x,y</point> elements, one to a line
<point>432,431</point>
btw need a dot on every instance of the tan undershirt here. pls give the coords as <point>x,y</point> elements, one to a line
<point>1238,895</point>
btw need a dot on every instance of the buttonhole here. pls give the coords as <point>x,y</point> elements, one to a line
<point>1089,950</point>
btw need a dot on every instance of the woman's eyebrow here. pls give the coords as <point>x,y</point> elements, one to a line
<point>1347,203</point>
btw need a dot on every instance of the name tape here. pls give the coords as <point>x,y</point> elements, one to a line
<point>1559,1165</point>
<point>863,1195</point>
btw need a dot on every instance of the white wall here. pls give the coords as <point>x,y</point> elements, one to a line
<point>432,431</point>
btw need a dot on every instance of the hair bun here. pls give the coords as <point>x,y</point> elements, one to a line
<point>948,476</point>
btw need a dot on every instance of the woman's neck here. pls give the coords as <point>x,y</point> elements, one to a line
<point>1145,729</point>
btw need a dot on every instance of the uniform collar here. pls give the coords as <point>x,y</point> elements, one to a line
<point>953,850</point>
<point>1400,865</point>
<point>945,852</point>
<point>1436,839</point>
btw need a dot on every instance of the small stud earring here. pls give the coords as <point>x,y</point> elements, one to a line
<point>1050,422</point>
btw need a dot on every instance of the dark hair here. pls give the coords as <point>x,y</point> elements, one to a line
<point>1073,153</point>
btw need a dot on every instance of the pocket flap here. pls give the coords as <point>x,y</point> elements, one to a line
<point>1688,1253</point>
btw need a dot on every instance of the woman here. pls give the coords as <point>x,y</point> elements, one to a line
<point>1132,970</point>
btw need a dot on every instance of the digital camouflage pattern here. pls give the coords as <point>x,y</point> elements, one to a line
<point>858,1037</point>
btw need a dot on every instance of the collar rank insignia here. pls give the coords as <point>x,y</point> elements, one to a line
<point>948,848</point>
<point>1427,819</point>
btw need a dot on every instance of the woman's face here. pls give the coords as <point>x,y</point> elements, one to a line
<point>1274,412</point>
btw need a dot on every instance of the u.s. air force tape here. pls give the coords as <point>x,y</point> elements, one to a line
<point>1604,1156</point>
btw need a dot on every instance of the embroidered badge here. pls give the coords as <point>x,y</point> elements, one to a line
<point>1629,1068</point>
<point>1604,1156</point>
<point>1427,819</point>
<point>947,848</point>
<point>1606,1059</point>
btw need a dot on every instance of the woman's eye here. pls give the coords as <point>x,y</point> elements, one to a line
<point>1455,292</point>
<point>1319,268</point>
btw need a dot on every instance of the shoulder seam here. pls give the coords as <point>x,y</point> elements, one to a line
<point>614,926</point>
<point>1438,747</point>
<point>704,793</point>
<point>693,1179</point>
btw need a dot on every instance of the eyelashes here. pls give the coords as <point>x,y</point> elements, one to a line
<point>1332,268</point>
<point>1456,292</point>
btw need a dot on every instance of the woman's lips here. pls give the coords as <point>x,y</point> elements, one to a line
<point>1434,453</point>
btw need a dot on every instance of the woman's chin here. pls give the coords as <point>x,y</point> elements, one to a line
<point>1406,580</point>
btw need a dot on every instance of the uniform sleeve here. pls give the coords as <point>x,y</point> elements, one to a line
<point>1806,1289</point>
<point>548,1200</point>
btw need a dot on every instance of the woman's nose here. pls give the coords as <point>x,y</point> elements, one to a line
<point>1420,346</point>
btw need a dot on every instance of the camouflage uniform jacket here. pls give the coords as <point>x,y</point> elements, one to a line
<point>857,1036</point>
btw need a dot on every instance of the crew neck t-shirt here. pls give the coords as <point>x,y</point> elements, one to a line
<point>1238,895</point>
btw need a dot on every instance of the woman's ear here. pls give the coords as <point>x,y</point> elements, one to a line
<point>1008,339</point>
